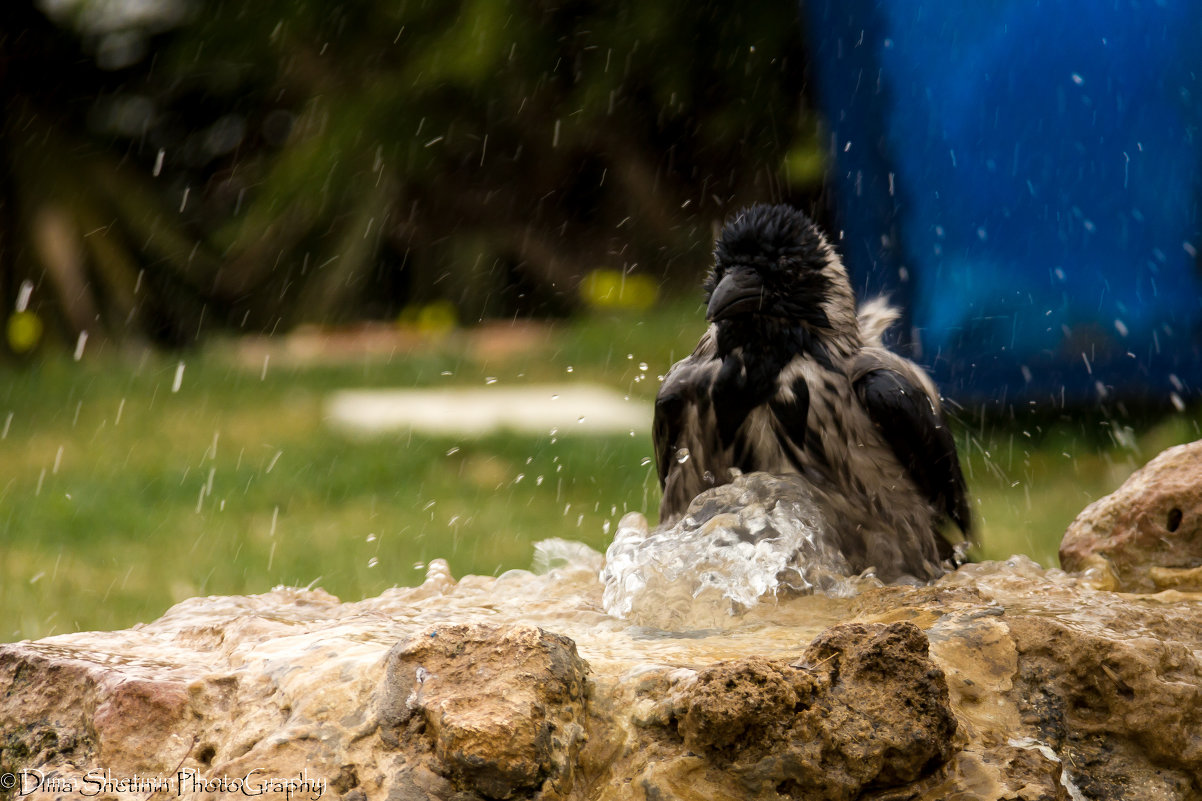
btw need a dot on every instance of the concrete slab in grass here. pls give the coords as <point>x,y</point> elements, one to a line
<point>538,409</point>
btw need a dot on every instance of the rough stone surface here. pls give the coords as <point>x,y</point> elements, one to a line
<point>999,681</point>
<point>1147,534</point>
<point>1115,705</point>
<point>503,706</point>
<point>863,707</point>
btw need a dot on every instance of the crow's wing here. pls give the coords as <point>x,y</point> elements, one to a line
<point>685,433</point>
<point>700,427</point>
<point>908,416</point>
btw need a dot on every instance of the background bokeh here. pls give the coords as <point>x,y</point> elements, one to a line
<point>214,215</point>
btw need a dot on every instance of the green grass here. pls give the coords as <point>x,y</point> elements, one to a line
<point>119,497</point>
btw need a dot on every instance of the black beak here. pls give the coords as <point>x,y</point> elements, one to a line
<point>739,292</point>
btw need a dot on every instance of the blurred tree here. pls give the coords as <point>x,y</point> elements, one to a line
<point>85,243</point>
<point>260,165</point>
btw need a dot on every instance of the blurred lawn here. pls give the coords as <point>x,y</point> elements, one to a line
<point>119,496</point>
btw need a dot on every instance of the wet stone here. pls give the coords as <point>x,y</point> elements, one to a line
<point>863,707</point>
<point>1000,681</point>
<point>1147,534</point>
<point>503,706</point>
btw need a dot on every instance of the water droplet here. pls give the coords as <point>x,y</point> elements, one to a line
<point>179,377</point>
<point>26,291</point>
<point>1178,403</point>
<point>605,527</point>
<point>570,368</point>
<point>554,396</point>
<point>79,344</point>
<point>490,380</point>
<point>708,477</point>
<point>579,419</point>
<point>373,562</point>
<point>682,455</point>
<point>453,451</point>
<point>371,537</point>
<point>518,480</point>
<point>538,482</point>
<point>646,461</point>
<point>643,366</point>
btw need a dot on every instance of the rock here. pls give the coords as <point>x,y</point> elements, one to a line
<point>1115,705</point>
<point>1147,534</point>
<point>864,707</point>
<point>999,681</point>
<point>503,706</point>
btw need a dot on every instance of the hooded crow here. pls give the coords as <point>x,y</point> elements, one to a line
<point>790,379</point>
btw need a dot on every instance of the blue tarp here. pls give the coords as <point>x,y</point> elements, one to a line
<point>1025,178</point>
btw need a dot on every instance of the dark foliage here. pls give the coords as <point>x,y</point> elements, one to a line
<point>253,166</point>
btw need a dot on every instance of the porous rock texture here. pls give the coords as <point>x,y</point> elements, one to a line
<point>863,707</point>
<point>1000,681</point>
<point>1147,535</point>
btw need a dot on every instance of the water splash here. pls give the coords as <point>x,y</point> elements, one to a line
<point>556,553</point>
<point>758,538</point>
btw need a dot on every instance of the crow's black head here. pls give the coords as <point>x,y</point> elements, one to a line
<point>773,262</point>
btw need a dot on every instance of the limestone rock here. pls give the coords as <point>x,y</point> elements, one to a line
<point>1001,681</point>
<point>864,707</point>
<point>1147,534</point>
<point>503,707</point>
<point>1114,705</point>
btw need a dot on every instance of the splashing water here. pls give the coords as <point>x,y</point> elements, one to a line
<point>760,537</point>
